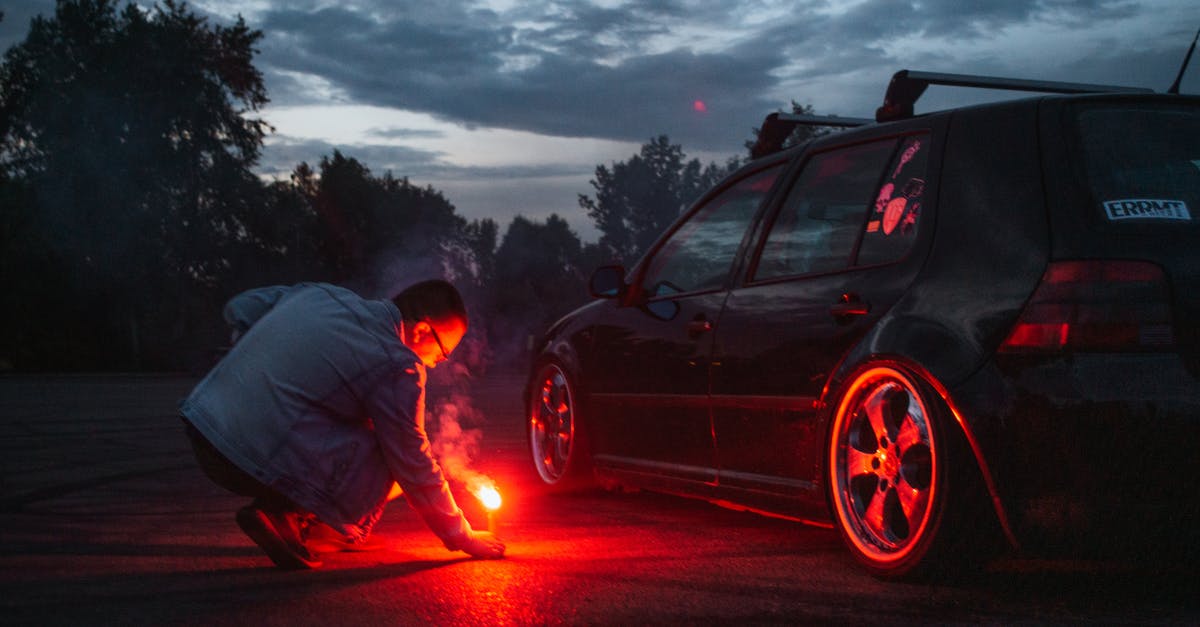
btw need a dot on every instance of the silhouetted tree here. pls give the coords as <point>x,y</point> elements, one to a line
<point>378,232</point>
<point>288,232</point>
<point>130,130</point>
<point>539,277</point>
<point>637,199</point>
<point>343,198</point>
<point>481,238</point>
<point>473,252</point>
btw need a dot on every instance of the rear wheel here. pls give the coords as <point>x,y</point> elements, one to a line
<point>902,486</point>
<point>556,441</point>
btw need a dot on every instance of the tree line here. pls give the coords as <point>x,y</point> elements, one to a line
<point>130,210</point>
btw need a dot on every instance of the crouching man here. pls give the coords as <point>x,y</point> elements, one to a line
<point>318,410</point>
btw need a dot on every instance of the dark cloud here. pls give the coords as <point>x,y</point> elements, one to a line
<point>380,57</point>
<point>579,69</point>
<point>848,58</point>
<point>405,133</point>
<point>573,70</point>
<point>591,32</point>
<point>629,72</point>
<point>632,71</point>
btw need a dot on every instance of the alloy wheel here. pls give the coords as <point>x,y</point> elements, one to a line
<point>551,424</point>
<point>883,466</point>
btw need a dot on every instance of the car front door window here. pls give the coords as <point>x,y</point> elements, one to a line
<point>699,254</point>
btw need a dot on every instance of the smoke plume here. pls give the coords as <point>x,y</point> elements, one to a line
<point>456,446</point>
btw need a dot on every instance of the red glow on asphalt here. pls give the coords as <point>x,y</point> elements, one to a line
<point>699,106</point>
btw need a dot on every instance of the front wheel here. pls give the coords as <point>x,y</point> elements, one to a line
<point>901,483</point>
<point>556,440</point>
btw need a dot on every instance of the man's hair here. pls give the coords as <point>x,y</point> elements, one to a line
<point>434,299</point>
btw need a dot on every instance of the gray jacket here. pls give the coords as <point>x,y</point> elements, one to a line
<point>320,400</point>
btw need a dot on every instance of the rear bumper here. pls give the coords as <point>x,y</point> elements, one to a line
<point>1089,449</point>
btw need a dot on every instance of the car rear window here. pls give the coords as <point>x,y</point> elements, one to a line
<point>865,195</point>
<point>1142,162</point>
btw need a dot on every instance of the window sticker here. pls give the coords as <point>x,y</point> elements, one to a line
<point>910,199</point>
<point>899,210</point>
<point>909,153</point>
<point>893,221</point>
<point>1146,209</point>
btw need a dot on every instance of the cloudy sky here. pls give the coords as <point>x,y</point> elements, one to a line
<point>508,106</point>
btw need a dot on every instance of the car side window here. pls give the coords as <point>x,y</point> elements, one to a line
<point>699,254</point>
<point>818,225</point>
<point>892,227</point>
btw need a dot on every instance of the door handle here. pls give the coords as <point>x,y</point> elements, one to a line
<point>696,327</point>
<point>850,305</point>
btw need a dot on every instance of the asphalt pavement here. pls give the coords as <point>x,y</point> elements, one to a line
<point>105,520</point>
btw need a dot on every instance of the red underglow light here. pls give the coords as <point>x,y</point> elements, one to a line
<point>699,106</point>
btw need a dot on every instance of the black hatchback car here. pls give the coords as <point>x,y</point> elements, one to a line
<point>931,331</point>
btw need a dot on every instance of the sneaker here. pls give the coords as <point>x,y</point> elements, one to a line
<point>322,538</point>
<point>279,534</point>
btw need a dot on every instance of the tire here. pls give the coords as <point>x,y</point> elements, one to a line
<point>904,491</point>
<point>558,446</point>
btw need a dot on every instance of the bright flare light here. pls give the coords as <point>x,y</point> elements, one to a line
<point>489,496</point>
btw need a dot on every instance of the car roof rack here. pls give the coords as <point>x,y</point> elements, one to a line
<point>907,86</point>
<point>777,127</point>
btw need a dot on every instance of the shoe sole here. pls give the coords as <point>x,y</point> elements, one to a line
<point>256,525</point>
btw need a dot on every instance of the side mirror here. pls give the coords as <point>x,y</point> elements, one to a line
<point>607,282</point>
<point>663,309</point>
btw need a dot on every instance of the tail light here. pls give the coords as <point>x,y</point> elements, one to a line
<point>1105,305</point>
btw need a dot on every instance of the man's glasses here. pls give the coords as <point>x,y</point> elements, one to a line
<point>438,339</point>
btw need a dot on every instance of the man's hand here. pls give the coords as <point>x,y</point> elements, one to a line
<point>483,544</point>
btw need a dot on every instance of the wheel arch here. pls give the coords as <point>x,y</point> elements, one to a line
<point>578,471</point>
<point>563,353</point>
<point>849,369</point>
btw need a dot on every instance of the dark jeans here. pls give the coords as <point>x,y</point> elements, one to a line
<point>227,475</point>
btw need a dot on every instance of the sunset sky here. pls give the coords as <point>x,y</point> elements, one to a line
<point>508,106</point>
